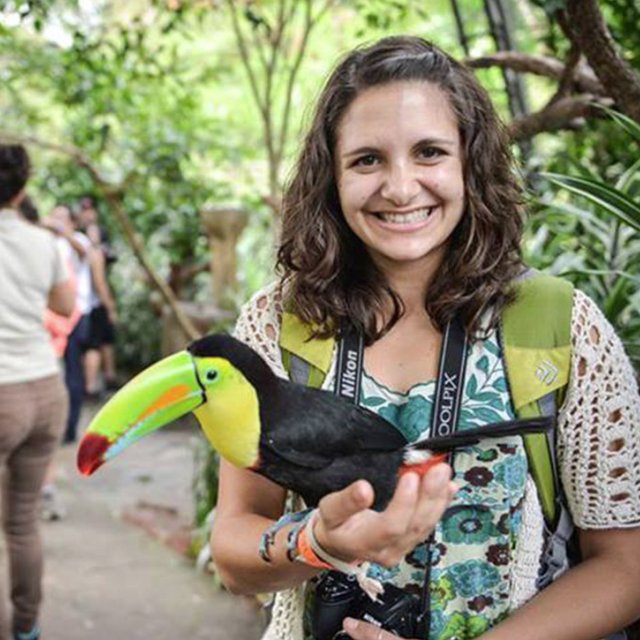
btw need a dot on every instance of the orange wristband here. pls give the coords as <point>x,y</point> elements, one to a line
<point>306,554</point>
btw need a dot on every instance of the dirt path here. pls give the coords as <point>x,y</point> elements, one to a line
<point>108,579</point>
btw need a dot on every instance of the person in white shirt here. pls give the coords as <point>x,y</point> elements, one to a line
<point>33,401</point>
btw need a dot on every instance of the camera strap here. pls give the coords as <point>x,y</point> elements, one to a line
<point>446,407</point>
<point>349,365</point>
<point>449,385</point>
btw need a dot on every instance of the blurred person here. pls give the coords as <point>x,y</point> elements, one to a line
<point>75,248</point>
<point>78,251</point>
<point>58,326</point>
<point>33,402</point>
<point>100,356</point>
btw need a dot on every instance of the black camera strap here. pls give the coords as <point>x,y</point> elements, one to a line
<point>349,365</point>
<point>444,421</point>
<point>446,408</point>
<point>449,385</point>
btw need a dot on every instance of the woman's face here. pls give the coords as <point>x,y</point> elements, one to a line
<point>399,171</point>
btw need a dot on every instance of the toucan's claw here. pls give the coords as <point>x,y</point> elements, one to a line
<point>269,536</point>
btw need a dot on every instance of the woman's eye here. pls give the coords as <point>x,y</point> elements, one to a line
<point>430,153</point>
<point>211,375</point>
<point>366,161</point>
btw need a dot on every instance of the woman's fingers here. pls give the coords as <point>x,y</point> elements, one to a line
<point>336,527</point>
<point>348,529</point>
<point>361,630</point>
<point>336,508</point>
<point>436,492</point>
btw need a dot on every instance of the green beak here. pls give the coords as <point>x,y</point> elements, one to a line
<point>159,395</point>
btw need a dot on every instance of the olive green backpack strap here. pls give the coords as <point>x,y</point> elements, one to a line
<point>306,359</point>
<point>536,334</point>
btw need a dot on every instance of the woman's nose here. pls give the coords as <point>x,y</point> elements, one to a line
<point>401,184</point>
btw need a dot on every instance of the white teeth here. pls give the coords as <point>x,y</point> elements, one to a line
<point>420,215</point>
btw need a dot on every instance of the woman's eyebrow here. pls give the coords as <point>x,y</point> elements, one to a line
<point>359,151</point>
<point>435,140</point>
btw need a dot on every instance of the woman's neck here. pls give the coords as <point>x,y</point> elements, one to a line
<point>412,285</point>
<point>411,280</point>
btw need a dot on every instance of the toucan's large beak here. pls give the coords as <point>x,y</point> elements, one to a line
<point>160,394</point>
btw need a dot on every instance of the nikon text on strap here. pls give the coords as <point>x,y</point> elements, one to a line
<point>448,395</point>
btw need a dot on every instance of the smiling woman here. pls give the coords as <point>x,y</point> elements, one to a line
<point>401,128</point>
<point>400,246</point>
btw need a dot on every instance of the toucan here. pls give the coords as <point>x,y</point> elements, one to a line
<point>308,440</point>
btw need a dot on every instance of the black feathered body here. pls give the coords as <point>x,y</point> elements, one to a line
<point>312,441</point>
<point>315,442</point>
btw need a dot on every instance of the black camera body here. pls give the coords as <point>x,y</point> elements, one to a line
<point>338,596</point>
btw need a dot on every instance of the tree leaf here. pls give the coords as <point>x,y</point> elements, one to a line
<point>612,200</point>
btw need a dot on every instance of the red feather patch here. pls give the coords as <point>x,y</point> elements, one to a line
<point>422,467</point>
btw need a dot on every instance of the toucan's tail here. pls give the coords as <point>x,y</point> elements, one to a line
<point>494,430</point>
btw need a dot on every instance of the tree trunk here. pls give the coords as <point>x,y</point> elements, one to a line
<point>589,31</point>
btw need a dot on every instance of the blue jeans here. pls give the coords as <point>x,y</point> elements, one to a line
<point>74,375</point>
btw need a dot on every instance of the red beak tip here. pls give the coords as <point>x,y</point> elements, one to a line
<point>91,453</point>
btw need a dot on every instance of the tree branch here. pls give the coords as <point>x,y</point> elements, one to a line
<point>308,26</point>
<point>245,57</point>
<point>587,28</point>
<point>584,78</point>
<point>557,115</point>
<point>566,81</point>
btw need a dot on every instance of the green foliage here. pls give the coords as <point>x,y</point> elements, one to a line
<point>381,14</point>
<point>611,199</point>
<point>623,18</point>
<point>139,326</point>
<point>35,11</point>
<point>595,241</point>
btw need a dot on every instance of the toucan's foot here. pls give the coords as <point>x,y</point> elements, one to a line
<point>372,587</point>
<point>269,536</point>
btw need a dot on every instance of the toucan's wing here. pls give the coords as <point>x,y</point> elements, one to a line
<point>311,427</point>
<point>495,430</point>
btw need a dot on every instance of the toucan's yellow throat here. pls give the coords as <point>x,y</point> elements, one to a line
<point>230,417</point>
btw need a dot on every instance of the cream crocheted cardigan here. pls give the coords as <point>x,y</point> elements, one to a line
<point>598,440</point>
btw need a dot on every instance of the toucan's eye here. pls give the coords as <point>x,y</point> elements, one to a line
<point>211,375</point>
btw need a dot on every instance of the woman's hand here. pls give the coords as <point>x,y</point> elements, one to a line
<point>361,630</point>
<point>348,529</point>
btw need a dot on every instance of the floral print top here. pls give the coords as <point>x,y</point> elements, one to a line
<point>473,543</point>
<point>471,551</point>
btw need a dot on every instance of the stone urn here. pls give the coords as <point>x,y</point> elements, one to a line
<point>223,225</point>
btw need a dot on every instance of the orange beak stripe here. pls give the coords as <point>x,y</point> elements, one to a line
<point>166,399</point>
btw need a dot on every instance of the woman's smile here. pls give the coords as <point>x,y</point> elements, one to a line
<point>405,221</point>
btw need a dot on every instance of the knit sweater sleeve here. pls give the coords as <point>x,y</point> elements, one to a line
<point>599,425</point>
<point>259,325</point>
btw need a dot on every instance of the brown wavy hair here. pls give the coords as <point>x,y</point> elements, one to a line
<point>329,275</point>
